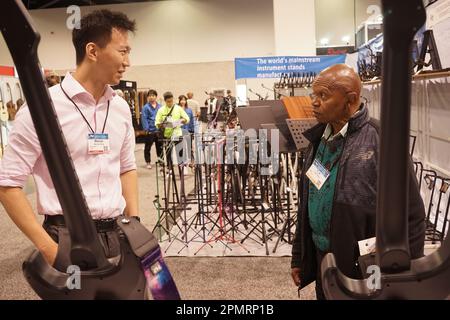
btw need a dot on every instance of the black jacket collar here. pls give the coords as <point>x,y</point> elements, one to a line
<point>315,133</point>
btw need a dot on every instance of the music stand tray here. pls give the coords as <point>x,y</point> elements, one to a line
<point>278,108</point>
<point>297,127</point>
<point>252,117</point>
<point>286,142</point>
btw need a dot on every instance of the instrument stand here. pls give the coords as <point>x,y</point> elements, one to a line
<point>221,235</point>
<point>167,213</point>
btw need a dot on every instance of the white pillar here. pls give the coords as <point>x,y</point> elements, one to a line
<point>294,27</point>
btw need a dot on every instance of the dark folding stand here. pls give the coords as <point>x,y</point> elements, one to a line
<point>118,278</point>
<point>250,122</point>
<point>168,211</point>
<point>429,46</point>
<point>222,235</point>
<point>401,277</point>
<point>296,143</point>
<point>269,118</point>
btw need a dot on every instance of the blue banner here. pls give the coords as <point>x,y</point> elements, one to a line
<point>273,67</point>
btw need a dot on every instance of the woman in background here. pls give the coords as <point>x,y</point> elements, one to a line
<point>189,128</point>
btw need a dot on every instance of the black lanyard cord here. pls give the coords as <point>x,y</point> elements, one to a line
<point>321,154</point>
<point>84,118</point>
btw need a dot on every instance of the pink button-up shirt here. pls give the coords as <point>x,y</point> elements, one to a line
<point>99,175</point>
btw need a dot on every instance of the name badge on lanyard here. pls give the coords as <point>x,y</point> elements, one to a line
<point>317,174</point>
<point>98,143</point>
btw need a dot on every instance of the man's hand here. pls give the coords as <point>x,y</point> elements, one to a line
<point>49,252</point>
<point>21,213</point>
<point>295,273</point>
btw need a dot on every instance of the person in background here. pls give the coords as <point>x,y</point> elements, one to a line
<point>51,78</point>
<point>183,102</point>
<point>212,107</point>
<point>193,104</point>
<point>229,104</point>
<point>148,117</point>
<point>120,93</point>
<point>170,118</point>
<point>211,104</point>
<point>188,129</point>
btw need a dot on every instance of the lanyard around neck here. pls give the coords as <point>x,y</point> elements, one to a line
<point>321,154</point>
<point>84,118</point>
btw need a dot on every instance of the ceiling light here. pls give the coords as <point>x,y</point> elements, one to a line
<point>324,41</point>
<point>346,39</point>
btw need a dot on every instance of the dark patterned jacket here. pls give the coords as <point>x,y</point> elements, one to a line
<point>354,207</point>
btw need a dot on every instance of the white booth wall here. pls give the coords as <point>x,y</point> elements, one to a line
<point>199,36</point>
<point>179,45</point>
<point>430,124</point>
<point>169,32</point>
<point>430,120</point>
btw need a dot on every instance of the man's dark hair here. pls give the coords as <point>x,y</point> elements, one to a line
<point>152,92</point>
<point>167,95</point>
<point>97,27</point>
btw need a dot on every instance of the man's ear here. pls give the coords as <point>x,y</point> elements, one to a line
<point>91,51</point>
<point>352,98</point>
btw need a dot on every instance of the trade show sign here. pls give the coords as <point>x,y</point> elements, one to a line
<point>273,67</point>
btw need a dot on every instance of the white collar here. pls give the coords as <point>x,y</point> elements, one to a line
<point>327,134</point>
<point>73,88</point>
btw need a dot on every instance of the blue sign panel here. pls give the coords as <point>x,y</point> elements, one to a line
<point>273,67</point>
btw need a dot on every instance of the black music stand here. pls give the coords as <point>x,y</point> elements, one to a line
<point>252,117</point>
<point>268,117</point>
<point>297,127</point>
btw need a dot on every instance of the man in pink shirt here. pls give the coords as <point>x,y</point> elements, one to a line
<point>99,133</point>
